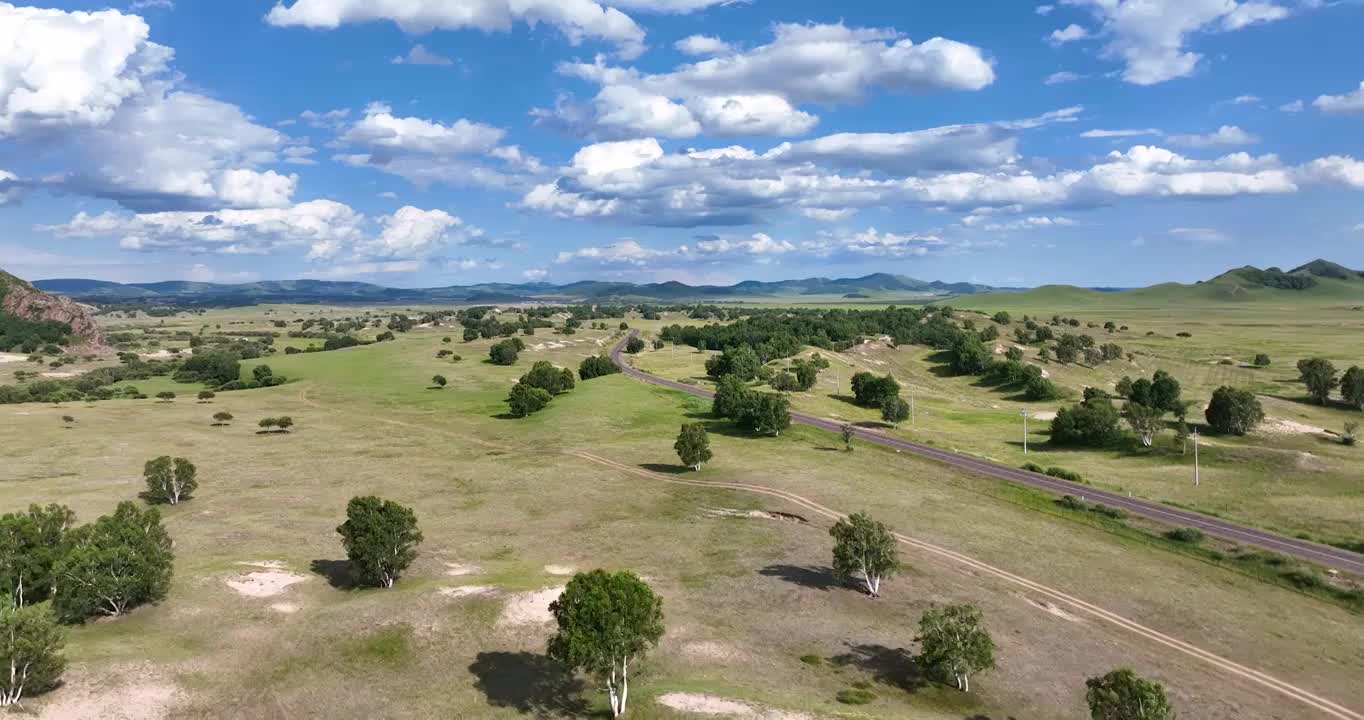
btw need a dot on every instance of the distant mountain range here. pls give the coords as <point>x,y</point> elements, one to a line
<point>879,286</point>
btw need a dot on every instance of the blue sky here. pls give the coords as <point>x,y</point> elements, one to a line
<point>435,142</point>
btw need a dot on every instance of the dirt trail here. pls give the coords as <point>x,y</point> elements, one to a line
<point>1073,603</point>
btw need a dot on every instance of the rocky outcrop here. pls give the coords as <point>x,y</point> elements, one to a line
<point>20,299</point>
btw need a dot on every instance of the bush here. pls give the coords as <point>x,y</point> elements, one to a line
<point>855,696</point>
<point>1065,474</point>
<point>634,345</point>
<point>1034,467</point>
<point>870,390</point>
<point>1234,411</point>
<point>1092,424</point>
<point>506,352</point>
<point>1070,502</point>
<point>166,395</point>
<point>1039,388</point>
<point>545,376</point>
<point>1191,536</point>
<point>1110,512</point>
<point>212,367</point>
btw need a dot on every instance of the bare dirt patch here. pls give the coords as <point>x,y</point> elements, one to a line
<point>701,704</point>
<point>560,569</point>
<point>1052,609</point>
<point>58,374</point>
<point>1044,415</point>
<point>460,570</point>
<point>265,583</point>
<point>1284,426</point>
<point>286,608</point>
<point>463,591</point>
<point>530,608</point>
<point>141,701</point>
<point>755,514</point>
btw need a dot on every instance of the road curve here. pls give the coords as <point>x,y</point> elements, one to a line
<point>1325,555</point>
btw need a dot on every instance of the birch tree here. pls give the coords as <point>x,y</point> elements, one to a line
<point>381,538</point>
<point>31,645</point>
<point>693,446</point>
<point>606,620</point>
<point>864,547</point>
<point>116,563</point>
<point>955,643</point>
<point>170,480</point>
<point>30,544</point>
<point>1145,421</point>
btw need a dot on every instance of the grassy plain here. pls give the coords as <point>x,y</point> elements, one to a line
<point>502,503</point>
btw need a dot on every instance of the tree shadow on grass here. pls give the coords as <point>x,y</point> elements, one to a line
<point>336,572</point>
<point>529,683</point>
<point>815,578</point>
<point>665,468</point>
<point>895,667</point>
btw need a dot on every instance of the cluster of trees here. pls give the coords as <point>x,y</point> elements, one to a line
<point>758,412</point>
<point>536,388</point>
<point>27,336</point>
<point>1091,423</point>
<point>802,375</point>
<point>1148,401</point>
<point>1320,377</point>
<point>506,352</point>
<point>1233,411</point>
<point>596,366</point>
<point>90,386</point>
<point>279,424</point>
<point>634,345</point>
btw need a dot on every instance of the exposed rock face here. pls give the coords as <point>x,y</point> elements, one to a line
<point>20,299</point>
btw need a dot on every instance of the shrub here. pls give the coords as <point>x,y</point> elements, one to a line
<point>1034,467</point>
<point>1093,424</point>
<point>525,400</point>
<point>855,696</point>
<point>1234,411</point>
<point>1064,474</point>
<point>222,417</point>
<point>166,396</point>
<point>1110,512</point>
<point>31,645</point>
<point>596,366</point>
<point>1192,536</point>
<point>870,390</point>
<point>506,352</point>
<point>1070,502</point>
<point>545,376</point>
<point>206,395</point>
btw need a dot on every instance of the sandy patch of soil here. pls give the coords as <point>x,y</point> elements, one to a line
<point>286,608</point>
<point>58,374</point>
<point>265,564</point>
<point>712,650</point>
<point>459,570</point>
<point>530,608</point>
<point>560,569</point>
<point>463,591</point>
<point>12,357</point>
<point>756,514</point>
<point>701,704</point>
<point>1044,415</point>
<point>1284,426</point>
<point>265,583</point>
<point>143,701</point>
<point>159,355</point>
<point>1052,609</point>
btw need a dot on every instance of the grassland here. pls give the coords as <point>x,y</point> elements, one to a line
<point>500,501</point>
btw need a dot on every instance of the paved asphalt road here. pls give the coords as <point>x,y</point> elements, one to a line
<point>1325,555</point>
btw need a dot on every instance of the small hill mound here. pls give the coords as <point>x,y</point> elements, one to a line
<point>26,311</point>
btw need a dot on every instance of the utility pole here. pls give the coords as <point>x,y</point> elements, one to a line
<point>1195,457</point>
<point>1024,414</point>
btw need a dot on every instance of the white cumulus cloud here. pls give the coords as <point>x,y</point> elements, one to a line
<point>1225,136</point>
<point>1351,102</point>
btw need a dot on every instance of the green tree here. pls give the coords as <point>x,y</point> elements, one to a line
<point>506,351</point>
<point>30,545</point>
<point>116,563</point>
<point>595,367</point>
<point>693,446</point>
<point>525,400</point>
<point>169,480</point>
<point>606,620</point>
<point>1261,360</point>
<point>1038,388</point>
<point>1234,411</point>
<point>730,394</point>
<point>31,644</point>
<point>870,390</point>
<point>1124,387</point>
<point>206,395</point>
<point>955,643</point>
<point>381,538</point>
<point>1144,421</point>
<point>1093,423</point>
<point>864,548</point>
<point>471,334</point>
<point>1352,387</point>
<point>263,375</point>
<point>284,422</point>
<point>741,361</point>
<point>765,413</point>
<point>1123,695</point>
<point>894,410</point>
<point>1001,317</point>
<point>968,356</point>
<point>1319,375</point>
<point>439,381</point>
<point>166,396</point>
<point>552,380</point>
<point>848,432</point>
<point>634,345</point>
<point>222,417</point>
<point>1014,353</point>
